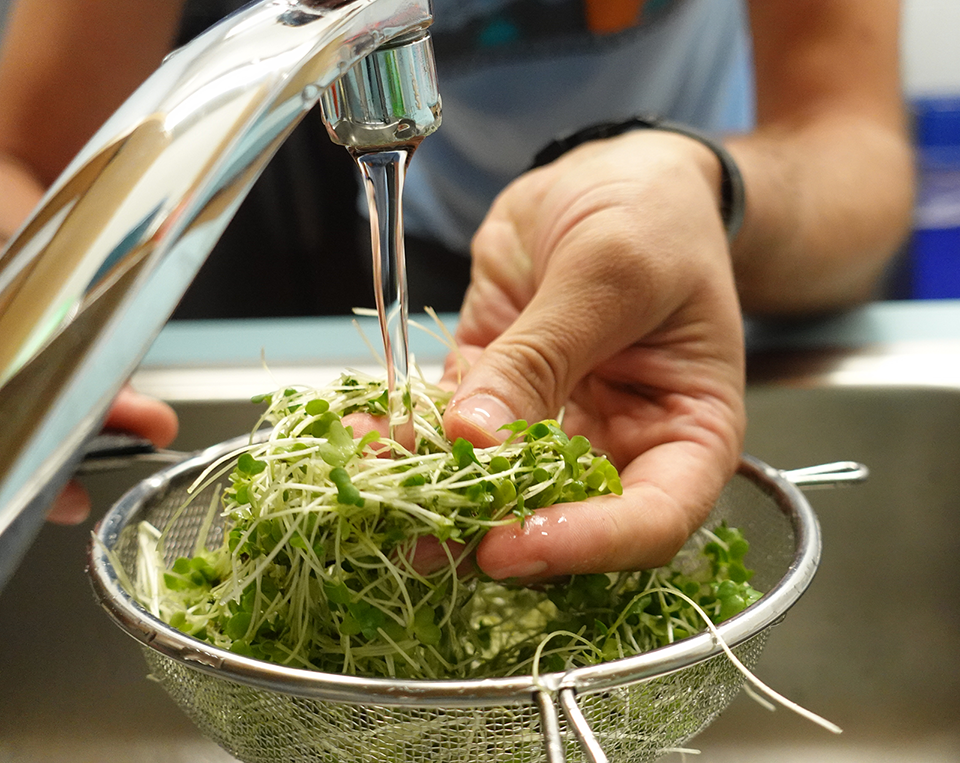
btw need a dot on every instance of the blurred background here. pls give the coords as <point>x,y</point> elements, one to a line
<point>928,269</point>
<point>931,65</point>
<point>931,71</point>
<point>878,386</point>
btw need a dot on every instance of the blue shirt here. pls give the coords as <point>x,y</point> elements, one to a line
<point>516,73</point>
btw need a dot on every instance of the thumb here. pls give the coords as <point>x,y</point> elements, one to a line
<point>528,372</point>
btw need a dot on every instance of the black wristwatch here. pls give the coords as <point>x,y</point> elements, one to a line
<point>733,195</point>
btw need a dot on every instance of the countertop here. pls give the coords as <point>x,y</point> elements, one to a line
<point>234,359</point>
<point>300,340</point>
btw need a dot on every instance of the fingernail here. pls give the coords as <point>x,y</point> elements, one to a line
<point>487,413</point>
<point>526,568</point>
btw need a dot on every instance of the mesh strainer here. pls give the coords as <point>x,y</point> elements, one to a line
<point>632,709</point>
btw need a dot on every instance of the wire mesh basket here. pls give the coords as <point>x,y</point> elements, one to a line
<point>631,709</point>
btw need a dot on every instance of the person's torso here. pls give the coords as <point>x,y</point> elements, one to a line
<point>481,32</point>
<point>516,73</point>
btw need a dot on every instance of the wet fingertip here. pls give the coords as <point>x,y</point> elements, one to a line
<point>518,571</point>
<point>482,418</point>
<point>501,562</point>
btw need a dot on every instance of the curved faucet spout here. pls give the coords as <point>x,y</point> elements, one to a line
<point>94,274</point>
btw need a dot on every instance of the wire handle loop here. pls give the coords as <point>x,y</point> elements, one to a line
<point>581,727</point>
<point>550,727</point>
<point>827,475</point>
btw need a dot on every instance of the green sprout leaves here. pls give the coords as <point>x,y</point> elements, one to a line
<point>347,492</point>
<point>248,466</point>
<point>317,564</point>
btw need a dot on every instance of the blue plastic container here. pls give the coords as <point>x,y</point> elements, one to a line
<point>935,247</point>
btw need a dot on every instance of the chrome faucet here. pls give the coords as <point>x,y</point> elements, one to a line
<point>92,276</point>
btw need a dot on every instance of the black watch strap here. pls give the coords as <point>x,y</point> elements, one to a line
<point>733,196</point>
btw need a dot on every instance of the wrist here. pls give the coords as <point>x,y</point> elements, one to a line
<point>732,194</point>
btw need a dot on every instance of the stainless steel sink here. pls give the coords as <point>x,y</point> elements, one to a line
<point>874,645</point>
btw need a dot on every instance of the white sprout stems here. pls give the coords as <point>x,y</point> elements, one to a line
<point>751,678</point>
<point>332,536</point>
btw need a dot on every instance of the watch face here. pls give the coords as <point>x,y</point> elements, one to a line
<point>491,30</point>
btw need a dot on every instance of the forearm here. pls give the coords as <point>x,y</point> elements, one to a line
<point>828,170</point>
<point>828,205</point>
<point>65,67</point>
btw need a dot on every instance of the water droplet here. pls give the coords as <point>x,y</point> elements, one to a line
<point>310,94</point>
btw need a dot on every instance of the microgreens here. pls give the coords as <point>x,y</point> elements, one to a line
<point>316,571</point>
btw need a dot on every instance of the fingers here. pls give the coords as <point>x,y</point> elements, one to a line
<point>363,423</point>
<point>668,492</point>
<point>574,323</point>
<point>429,555</point>
<point>71,507</point>
<point>143,415</point>
<point>130,412</point>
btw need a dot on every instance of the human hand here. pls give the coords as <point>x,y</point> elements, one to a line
<point>130,412</point>
<point>602,284</point>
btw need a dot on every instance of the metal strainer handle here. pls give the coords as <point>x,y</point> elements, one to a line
<point>827,475</point>
<point>550,727</point>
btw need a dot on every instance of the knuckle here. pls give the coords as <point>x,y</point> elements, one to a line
<point>539,369</point>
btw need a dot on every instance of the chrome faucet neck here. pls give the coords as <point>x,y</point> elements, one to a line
<point>93,275</point>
